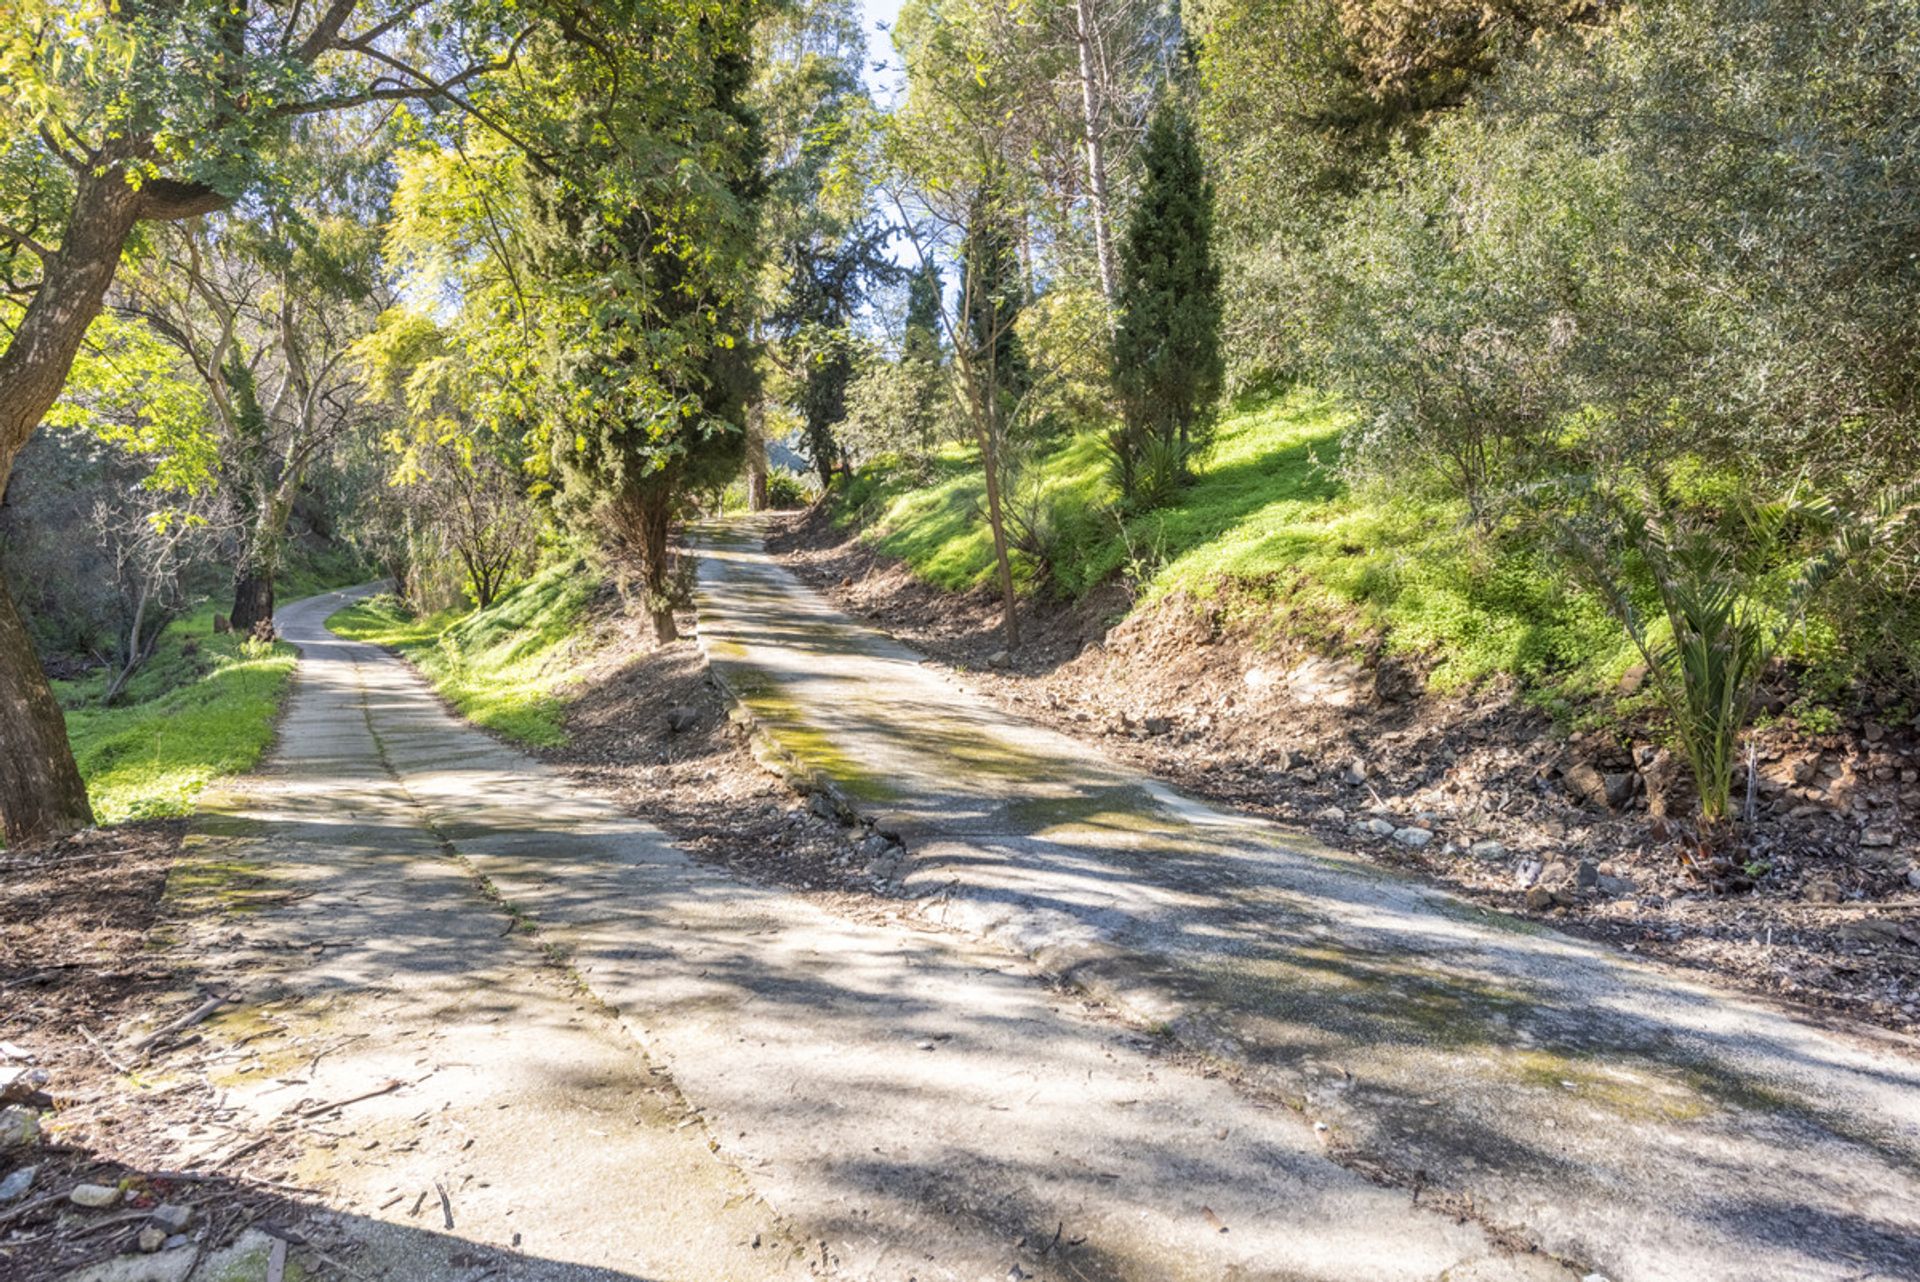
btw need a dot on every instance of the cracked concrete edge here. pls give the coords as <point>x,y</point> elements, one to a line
<point>1068,952</point>
<point>769,752</point>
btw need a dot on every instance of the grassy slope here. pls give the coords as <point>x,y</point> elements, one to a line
<point>201,708</point>
<point>1270,528</point>
<point>500,666</point>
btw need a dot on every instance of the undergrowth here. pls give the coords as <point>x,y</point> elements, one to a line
<point>1271,533</point>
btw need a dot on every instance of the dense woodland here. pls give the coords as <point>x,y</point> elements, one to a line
<point>1622,296</point>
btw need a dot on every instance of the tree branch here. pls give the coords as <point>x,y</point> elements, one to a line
<point>25,241</point>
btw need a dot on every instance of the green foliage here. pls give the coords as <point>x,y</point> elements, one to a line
<point>1269,528</point>
<point>1166,345</point>
<point>1723,625</point>
<point>502,667</point>
<point>786,490</point>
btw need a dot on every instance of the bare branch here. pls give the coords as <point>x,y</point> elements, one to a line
<point>25,241</point>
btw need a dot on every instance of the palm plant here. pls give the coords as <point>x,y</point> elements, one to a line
<point>1708,575</point>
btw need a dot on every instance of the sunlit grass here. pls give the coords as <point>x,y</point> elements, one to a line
<point>499,667</point>
<point>203,707</point>
<point>1270,531</point>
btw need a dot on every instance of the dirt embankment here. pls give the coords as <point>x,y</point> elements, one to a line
<point>1479,793</point>
<point>648,726</point>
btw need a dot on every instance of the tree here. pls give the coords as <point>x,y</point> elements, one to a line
<point>265,310</point>
<point>829,276</point>
<point>992,367</point>
<point>1166,346</point>
<point>119,115</point>
<point>465,485</point>
<point>647,212</point>
<point>827,252</point>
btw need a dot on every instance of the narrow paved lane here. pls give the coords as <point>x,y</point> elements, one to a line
<point>1608,1110</point>
<point>866,1101</point>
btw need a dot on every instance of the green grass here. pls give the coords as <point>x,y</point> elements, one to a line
<point>202,708</point>
<point>1271,533</point>
<point>311,571</point>
<point>500,667</point>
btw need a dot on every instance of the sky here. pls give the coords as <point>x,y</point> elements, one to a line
<point>879,46</point>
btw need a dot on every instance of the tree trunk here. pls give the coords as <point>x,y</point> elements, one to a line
<point>643,519</point>
<point>1095,137</point>
<point>252,596</point>
<point>756,458</point>
<point>656,565</point>
<point>41,792</point>
<point>1003,562</point>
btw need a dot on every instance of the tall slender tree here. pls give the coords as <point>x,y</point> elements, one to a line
<point>1166,347</point>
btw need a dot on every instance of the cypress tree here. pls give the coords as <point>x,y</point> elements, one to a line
<point>1167,365</point>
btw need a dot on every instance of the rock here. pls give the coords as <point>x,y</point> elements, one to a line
<point>873,846</point>
<point>1877,837</point>
<point>1379,827</point>
<point>1633,678</point>
<point>1618,788</point>
<point>1557,873</point>
<point>1539,899</point>
<point>1258,678</point>
<point>1615,887</point>
<point>172,1216</point>
<point>1661,776</point>
<point>1585,784</point>
<point>1488,849</point>
<point>1586,874</point>
<point>1156,725</point>
<point>1822,891</point>
<point>1000,659</point>
<point>681,719</point>
<point>22,1085</point>
<point>1413,837</point>
<point>1395,682</point>
<point>1528,872</point>
<point>1356,772</point>
<point>821,804</point>
<point>1870,932</point>
<point>1875,732</point>
<point>1913,879</point>
<point>1804,770</point>
<point>19,1127</point>
<point>1330,815</point>
<point>152,1240</point>
<point>177,1241</point>
<point>94,1196</point>
<point>15,1186</point>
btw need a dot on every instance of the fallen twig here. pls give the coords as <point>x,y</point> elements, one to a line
<point>8,1217</point>
<point>186,1021</point>
<point>446,1206</point>
<point>393,1084</point>
<point>105,1054</point>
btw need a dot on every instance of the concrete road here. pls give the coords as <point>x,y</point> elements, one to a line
<point>619,1062</point>
<point>1609,1111</point>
